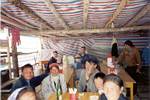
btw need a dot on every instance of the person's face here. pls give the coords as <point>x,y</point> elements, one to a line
<point>77,60</point>
<point>111,90</point>
<point>126,47</point>
<point>28,96</point>
<point>89,67</point>
<point>54,71</point>
<point>28,73</point>
<point>98,83</point>
<point>82,50</point>
<point>55,54</point>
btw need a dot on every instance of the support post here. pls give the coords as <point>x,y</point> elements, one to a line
<point>8,57</point>
<point>15,60</point>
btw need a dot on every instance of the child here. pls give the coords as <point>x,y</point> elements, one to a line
<point>113,88</point>
<point>98,81</point>
<point>27,78</point>
<point>24,93</point>
<point>27,94</point>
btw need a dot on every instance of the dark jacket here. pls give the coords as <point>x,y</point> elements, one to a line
<point>103,97</point>
<point>52,60</point>
<point>34,82</point>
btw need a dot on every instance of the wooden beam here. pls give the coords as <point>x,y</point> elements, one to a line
<point>41,34</point>
<point>86,31</point>
<point>57,15</point>
<point>12,22</point>
<point>18,20</point>
<point>85,13</point>
<point>27,10</point>
<point>139,15</point>
<point>120,7</point>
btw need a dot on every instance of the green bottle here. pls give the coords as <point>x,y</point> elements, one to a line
<point>59,91</point>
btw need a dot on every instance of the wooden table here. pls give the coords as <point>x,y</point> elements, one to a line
<point>85,96</point>
<point>128,81</point>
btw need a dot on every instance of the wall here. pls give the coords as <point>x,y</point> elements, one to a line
<point>99,46</point>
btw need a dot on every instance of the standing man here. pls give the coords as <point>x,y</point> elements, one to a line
<point>82,51</point>
<point>130,58</point>
<point>79,57</point>
<point>78,62</point>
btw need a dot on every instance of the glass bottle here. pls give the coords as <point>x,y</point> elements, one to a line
<point>59,91</point>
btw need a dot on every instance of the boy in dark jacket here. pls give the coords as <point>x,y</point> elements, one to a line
<point>27,78</point>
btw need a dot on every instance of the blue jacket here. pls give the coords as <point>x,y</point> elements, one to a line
<point>34,82</point>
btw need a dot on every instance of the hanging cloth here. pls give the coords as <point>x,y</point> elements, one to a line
<point>114,49</point>
<point>15,36</point>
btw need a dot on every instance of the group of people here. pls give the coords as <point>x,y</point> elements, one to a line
<point>90,77</point>
<point>110,87</point>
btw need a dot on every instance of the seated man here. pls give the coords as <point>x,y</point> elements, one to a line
<point>27,78</point>
<point>86,83</point>
<point>54,81</point>
<point>56,58</point>
<point>98,80</point>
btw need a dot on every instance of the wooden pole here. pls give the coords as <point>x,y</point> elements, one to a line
<point>85,13</point>
<point>56,14</point>
<point>8,57</point>
<point>85,31</point>
<point>120,7</point>
<point>15,60</point>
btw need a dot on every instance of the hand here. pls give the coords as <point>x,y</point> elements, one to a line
<point>87,75</point>
<point>101,91</point>
<point>138,70</point>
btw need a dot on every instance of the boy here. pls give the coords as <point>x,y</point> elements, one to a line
<point>98,81</point>
<point>27,78</point>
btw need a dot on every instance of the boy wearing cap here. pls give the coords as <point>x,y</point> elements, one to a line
<point>49,84</point>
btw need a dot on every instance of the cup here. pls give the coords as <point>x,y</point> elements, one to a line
<point>94,97</point>
<point>73,97</point>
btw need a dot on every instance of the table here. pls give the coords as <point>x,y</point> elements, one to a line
<point>128,81</point>
<point>66,96</point>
